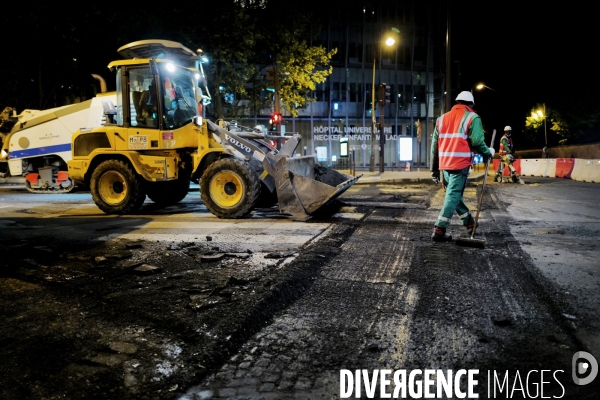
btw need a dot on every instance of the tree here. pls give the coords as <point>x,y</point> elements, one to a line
<point>288,32</point>
<point>302,68</point>
<point>228,38</point>
<point>534,124</point>
<point>579,120</point>
<point>567,123</point>
<point>245,36</point>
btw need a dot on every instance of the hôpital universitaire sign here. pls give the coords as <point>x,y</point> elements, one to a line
<point>325,133</point>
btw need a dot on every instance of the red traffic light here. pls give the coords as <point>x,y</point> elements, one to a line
<point>276,118</point>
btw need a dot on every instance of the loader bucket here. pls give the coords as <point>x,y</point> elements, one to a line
<point>303,186</point>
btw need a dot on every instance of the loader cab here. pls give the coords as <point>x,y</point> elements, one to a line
<point>155,94</point>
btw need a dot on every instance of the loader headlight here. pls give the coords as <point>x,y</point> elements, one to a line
<point>3,155</point>
<point>170,67</point>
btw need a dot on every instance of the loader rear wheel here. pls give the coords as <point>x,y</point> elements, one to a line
<point>116,188</point>
<point>168,193</point>
<point>230,188</point>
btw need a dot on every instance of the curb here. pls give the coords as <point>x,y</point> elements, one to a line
<point>393,181</point>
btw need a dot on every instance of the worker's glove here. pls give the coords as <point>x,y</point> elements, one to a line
<point>492,152</point>
<point>435,176</point>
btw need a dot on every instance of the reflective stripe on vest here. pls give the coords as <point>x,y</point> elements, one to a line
<point>454,150</point>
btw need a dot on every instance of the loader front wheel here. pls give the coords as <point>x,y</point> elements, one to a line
<point>116,188</point>
<point>230,188</point>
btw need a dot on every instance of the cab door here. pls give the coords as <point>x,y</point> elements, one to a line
<point>140,110</point>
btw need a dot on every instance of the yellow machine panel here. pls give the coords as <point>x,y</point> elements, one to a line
<point>159,168</point>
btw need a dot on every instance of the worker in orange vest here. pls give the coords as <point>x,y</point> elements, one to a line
<point>457,134</point>
<point>506,156</point>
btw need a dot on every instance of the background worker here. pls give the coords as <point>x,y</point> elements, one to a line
<point>457,134</point>
<point>506,156</point>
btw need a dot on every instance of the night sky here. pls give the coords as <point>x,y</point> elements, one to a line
<point>530,53</point>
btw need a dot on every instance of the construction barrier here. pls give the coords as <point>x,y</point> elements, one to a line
<point>577,174</point>
<point>505,170</point>
<point>569,168</point>
<point>542,169</point>
<point>551,170</point>
<point>528,167</point>
<point>564,167</point>
<point>586,174</point>
<point>595,177</point>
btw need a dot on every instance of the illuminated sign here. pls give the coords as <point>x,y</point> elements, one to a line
<point>406,149</point>
<point>344,147</point>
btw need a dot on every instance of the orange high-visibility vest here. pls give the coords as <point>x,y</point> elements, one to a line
<point>454,150</point>
<point>503,152</point>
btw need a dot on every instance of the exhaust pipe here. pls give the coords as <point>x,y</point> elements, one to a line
<point>102,83</point>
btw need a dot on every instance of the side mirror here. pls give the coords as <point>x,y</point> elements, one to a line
<point>202,81</point>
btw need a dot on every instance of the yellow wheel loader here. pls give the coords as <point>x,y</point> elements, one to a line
<point>157,141</point>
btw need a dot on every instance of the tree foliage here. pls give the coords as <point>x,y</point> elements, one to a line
<point>280,35</point>
<point>302,68</point>
<point>241,39</point>
<point>565,123</point>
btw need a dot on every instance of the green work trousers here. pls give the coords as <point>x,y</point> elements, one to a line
<point>455,183</point>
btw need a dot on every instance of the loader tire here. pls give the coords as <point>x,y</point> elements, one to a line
<point>230,188</point>
<point>116,188</point>
<point>168,193</point>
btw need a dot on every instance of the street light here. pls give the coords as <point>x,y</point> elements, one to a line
<point>481,86</point>
<point>389,41</point>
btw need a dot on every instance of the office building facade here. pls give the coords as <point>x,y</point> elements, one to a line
<point>340,118</point>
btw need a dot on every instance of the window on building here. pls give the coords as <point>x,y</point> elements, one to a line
<point>335,94</point>
<point>322,92</point>
<point>369,53</point>
<point>403,101</point>
<point>355,94</point>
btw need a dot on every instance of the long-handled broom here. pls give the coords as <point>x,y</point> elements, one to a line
<point>472,242</point>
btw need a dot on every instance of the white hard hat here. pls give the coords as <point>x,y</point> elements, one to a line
<point>465,96</point>
<point>507,128</point>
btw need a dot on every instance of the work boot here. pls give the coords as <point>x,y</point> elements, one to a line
<point>497,178</point>
<point>439,235</point>
<point>470,224</point>
<point>515,178</point>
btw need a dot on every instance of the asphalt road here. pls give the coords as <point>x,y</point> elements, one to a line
<point>365,289</point>
<point>556,221</point>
